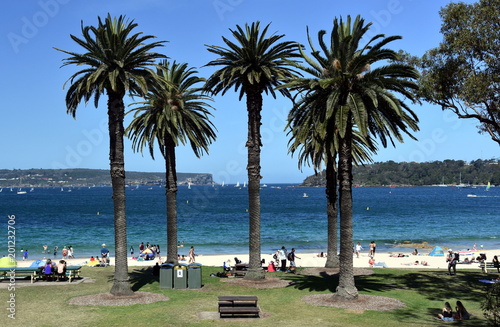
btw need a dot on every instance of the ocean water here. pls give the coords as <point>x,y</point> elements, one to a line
<point>215,219</point>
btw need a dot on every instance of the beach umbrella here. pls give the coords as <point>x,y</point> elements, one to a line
<point>7,262</point>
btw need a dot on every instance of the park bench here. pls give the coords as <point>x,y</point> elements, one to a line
<point>238,306</point>
<point>486,265</point>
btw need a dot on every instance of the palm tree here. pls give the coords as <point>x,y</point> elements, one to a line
<point>115,62</point>
<point>174,112</point>
<point>256,63</point>
<point>315,148</point>
<point>357,98</point>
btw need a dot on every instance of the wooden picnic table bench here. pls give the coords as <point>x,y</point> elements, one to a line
<point>8,273</point>
<point>240,269</point>
<point>242,306</point>
<point>487,265</point>
<point>36,272</point>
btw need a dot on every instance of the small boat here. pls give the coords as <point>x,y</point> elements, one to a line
<point>305,195</point>
<point>472,195</point>
<point>20,191</point>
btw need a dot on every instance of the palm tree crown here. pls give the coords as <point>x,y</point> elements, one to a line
<point>256,63</point>
<point>116,61</point>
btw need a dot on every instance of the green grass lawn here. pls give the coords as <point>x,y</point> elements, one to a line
<point>423,292</point>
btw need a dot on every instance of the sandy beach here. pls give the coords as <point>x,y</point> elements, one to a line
<point>312,260</point>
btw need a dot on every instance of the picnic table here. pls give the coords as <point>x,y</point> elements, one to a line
<point>35,273</point>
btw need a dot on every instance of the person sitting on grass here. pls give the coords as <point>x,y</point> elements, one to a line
<point>447,313</point>
<point>461,312</point>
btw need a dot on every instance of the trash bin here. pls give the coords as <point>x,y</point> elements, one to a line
<point>166,273</point>
<point>180,276</point>
<point>194,275</point>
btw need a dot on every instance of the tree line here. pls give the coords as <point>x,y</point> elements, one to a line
<point>447,172</point>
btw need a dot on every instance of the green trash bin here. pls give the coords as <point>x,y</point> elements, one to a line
<point>166,274</point>
<point>180,276</point>
<point>194,275</point>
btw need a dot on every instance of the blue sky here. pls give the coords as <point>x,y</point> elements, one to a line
<point>37,132</point>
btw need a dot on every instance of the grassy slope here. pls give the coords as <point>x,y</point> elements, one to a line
<point>424,293</point>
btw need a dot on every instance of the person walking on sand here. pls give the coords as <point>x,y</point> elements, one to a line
<point>291,258</point>
<point>373,247</point>
<point>452,262</point>
<point>358,249</point>
<point>191,255</point>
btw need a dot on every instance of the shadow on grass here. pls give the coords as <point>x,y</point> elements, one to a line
<point>139,278</point>
<point>434,285</point>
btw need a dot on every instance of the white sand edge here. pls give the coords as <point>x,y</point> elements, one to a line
<point>311,260</point>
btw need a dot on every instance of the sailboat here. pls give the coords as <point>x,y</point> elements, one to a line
<point>305,195</point>
<point>222,185</point>
<point>189,185</point>
<point>488,186</point>
<point>244,184</point>
<point>237,184</point>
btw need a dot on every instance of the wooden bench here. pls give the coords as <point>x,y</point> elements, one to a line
<point>487,265</point>
<point>238,306</point>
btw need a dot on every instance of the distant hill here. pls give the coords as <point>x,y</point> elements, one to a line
<point>447,172</point>
<point>90,177</point>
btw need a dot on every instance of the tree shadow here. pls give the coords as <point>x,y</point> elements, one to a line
<point>434,285</point>
<point>142,277</point>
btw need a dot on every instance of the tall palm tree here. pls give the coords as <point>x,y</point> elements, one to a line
<point>116,61</point>
<point>316,147</point>
<point>255,64</point>
<point>174,112</point>
<point>360,99</point>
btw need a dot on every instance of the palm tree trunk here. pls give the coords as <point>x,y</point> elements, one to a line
<point>254,107</point>
<point>346,289</point>
<point>171,194</point>
<point>332,260</point>
<point>116,112</point>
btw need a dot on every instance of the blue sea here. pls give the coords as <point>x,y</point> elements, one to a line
<point>215,219</point>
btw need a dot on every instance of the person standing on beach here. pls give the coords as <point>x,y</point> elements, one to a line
<point>191,255</point>
<point>25,254</point>
<point>141,247</point>
<point>104,251</point>
<point>291,258</point>
<point>358,249</point>
<point>452,262</point>
<point>282,255</point>
<point>373,247</point>
<point>55,250</point>
<point>131,251</point>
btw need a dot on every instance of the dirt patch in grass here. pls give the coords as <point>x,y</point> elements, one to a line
<point>107,299</point>
<point>362,303</point>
